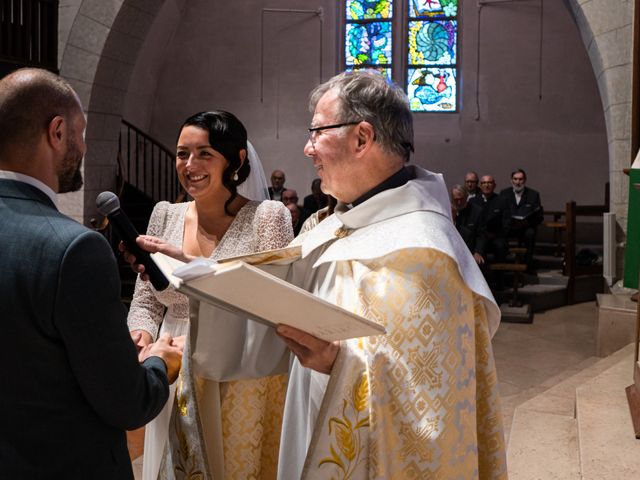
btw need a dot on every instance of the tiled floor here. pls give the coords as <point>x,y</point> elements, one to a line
<point>528,357</point>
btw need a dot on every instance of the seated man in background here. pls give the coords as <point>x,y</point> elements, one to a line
<point>317,200</point>
<point>471,184</point>
<point>526,213</point>
<point>468,220</point>
<point>277,185</point>
<point>496,219</point>
<point>289,196</point>
<point>296,217</point>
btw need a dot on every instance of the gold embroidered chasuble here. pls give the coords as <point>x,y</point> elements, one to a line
<point>421,401</point>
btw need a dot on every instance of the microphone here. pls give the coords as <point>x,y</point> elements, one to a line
<point>108,205</point>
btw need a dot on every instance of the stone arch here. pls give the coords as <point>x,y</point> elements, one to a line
<point>606,29</point>
<point>102,47</point>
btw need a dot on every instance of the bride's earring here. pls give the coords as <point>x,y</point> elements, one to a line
<point>235,176</point>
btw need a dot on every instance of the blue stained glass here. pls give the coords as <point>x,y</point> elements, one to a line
<point>432,89</point>
<point>384,71</point>
<point>368,43</point>
<point>368,9</point>
<point>433,42</point>
<point>433,8</point>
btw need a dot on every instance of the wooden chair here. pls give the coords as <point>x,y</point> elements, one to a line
<point>517,268</point>
<point>558,227</point>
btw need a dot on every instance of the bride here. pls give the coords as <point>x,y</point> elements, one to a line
<point>221,425</point>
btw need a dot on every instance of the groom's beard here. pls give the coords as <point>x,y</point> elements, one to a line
<point>69,175</point>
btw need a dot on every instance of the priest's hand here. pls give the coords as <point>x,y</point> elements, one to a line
<point>312,352</point>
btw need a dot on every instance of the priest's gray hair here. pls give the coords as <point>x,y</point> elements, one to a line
<point>366,95</point>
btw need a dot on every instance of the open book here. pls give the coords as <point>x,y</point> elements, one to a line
<point>237,285</point>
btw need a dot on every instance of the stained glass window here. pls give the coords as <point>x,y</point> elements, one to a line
<point>368,35</point>
<point>432,55</point>
<point>431,47</point>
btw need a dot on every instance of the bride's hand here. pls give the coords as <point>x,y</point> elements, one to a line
<point>152,245</point>
<point>155,244</point>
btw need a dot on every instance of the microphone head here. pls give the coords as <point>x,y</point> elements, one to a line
<point>107,203</point>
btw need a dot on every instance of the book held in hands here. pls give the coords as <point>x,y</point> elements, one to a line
<point>239,284</point>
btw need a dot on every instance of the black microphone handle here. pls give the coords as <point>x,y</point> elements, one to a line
<point>128,233</point>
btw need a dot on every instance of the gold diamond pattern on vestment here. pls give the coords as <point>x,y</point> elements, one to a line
<point>251,424</point>
<point>433,393</point>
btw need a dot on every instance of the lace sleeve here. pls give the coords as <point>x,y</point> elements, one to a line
<point>273,226</point>
<point>146,311</point>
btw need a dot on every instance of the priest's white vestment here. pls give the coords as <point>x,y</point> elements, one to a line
<point>421,401</point>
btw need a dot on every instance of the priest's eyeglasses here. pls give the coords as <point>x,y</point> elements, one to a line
<point>313,131</point>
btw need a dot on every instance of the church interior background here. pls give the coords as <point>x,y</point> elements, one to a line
<point>549,86</point>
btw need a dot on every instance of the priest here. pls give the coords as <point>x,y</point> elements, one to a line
<point>421,401</point>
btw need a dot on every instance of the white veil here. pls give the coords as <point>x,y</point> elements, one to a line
<point>255,187</point>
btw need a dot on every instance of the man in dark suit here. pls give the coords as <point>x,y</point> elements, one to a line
<point>317,200</point>
<point>496,219</point>
<point>468,220</point>
<point>526,213</point>
<point>71,378</point>
<point>471,184</point>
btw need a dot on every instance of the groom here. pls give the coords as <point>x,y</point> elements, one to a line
<point>71,380</point>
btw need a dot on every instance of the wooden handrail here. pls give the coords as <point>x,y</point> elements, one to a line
<point>591,210</point>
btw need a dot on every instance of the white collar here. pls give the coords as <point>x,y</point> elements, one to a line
<point>34,182</point>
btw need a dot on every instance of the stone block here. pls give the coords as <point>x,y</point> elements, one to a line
<point>616,323</point>
<point>99,179</point>
<point>542,446</point>
<point>79,64</point>
<point>617,82</point>
<point>113,73</point>
<point>606,15</point>
<point>88,34</point>
<point>584,28</point>
<point>608,447</point>
<point>103,126</point>
<point>103,11</point>
<point>614,46</point>
<point>107,100</point>
<point>618,118</point>
<point>82,88</point>
<point>123,47</point>
<point>103,152</point>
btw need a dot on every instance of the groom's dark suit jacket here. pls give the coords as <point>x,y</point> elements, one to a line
<point>70,381</point>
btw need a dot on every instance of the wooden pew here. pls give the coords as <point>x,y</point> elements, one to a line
<point>571,268</point>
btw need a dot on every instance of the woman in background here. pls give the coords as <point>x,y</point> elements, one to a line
<point>233,429</point>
